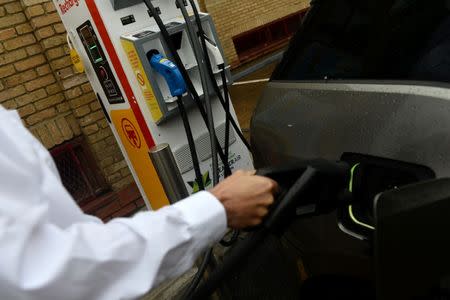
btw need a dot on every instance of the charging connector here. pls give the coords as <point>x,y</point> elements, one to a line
<point>169,71</point>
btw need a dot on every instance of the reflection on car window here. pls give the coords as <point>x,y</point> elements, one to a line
<point>353,39</point>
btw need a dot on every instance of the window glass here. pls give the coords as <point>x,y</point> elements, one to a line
<point>374,39</point>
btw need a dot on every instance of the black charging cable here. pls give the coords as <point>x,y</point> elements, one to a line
<point>191,143</point>
<point>227,108</point>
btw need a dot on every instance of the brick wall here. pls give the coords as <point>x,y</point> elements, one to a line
<point>233,17</point>
<point>37,78</point>
<point>27,82</point>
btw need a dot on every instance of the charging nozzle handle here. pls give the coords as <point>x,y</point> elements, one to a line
<point>170,72</point>
<point>237,255</point>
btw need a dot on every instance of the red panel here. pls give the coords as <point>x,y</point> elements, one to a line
<point>119,70</point>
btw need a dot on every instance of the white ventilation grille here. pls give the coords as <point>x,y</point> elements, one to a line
<point>183,154</point>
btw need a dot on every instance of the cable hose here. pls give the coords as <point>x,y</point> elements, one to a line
<point>193,92</point>
<point>198,276</point>
<point>202,69</point>
<point>232,240</point>
<point>192,148</point>
<point>227,105</point>
<point>211,74</point>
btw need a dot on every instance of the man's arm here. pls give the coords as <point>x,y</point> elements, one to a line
<point>126,257</point>
<point>119,260</point>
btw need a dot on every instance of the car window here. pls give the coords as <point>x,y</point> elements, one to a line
<point>374,39</point>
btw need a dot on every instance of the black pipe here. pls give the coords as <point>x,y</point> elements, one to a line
<point>191,143</point>
<point>232,240</point>
<point>233,260</point>
<point>227,108</point>
<point>188,293</point>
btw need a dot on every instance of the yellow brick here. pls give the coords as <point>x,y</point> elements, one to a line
<point>44,32</point>
<point>29,63</point>
<point>12,93</point>
<point>45,20</point>
<point>10,104</point>
<point>54,41</point>
<point>74,125</point>
<point>55,132</point>
<point>11,20</point>
<point>26,110</point>
<point>41,116</point>
<point>59,28</point>
<point>19,42</point>
<point>55,52</point>
<point>60,63</point>
<point>6,71</point>
<point>24,28</point>
<point>49,7</point>
<point>63,107</point>
<point>31,97</point>
<point>43,70</point>
<point>81,111</point>
<point>53,88</point>
<point>39,82</point>
<point>34,49</point>
<point>45,137</point>
<point>64,127</point>
<point>49,101</point>
<point>7,34</point>
<point>34,11</point>
<point>83,100</point>
<point>20,78</point>
<point>12,8</point>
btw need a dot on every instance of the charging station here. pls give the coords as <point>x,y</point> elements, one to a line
<point>113,39</point>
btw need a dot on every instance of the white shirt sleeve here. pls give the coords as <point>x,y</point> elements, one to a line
<point>50,250</point>
<point>119,260</point>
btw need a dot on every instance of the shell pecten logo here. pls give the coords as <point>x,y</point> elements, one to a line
<point>131,133</point>
<point>66,5</point>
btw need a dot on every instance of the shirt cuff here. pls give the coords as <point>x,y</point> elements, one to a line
<point>205,214</point>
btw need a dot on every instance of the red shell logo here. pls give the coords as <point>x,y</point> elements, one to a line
<point>131,133</point>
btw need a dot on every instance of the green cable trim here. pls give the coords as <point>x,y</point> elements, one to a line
<point>350,207</point>
<point>352,173</point>
<point>354,219</point>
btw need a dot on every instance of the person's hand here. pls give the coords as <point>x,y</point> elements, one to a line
<point>246,198</point>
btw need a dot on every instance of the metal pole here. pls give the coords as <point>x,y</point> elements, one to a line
<point>168,172</point>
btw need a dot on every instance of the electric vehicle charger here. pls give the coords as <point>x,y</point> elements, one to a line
<point>177,87</point>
